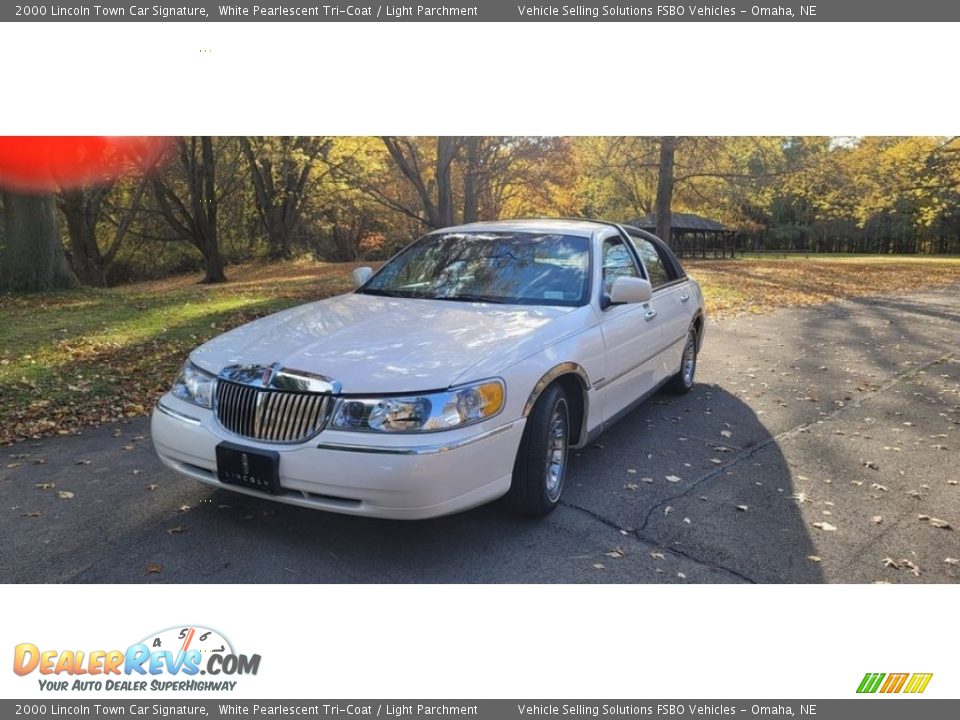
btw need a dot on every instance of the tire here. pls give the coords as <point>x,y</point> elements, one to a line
<point>681,383</point>
<point>541,463</point>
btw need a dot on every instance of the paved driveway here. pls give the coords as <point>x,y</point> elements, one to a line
<point>820,445</point>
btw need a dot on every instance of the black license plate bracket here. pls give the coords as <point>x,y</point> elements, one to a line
<point>252,469</point>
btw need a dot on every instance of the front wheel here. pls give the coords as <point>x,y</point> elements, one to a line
<point>681,383</point>
<point>541,464</point>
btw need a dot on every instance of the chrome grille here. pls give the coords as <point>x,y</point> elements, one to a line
<point>270,415</point>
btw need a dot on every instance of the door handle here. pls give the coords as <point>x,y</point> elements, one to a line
<point>684,297</point>
<point>650,315</point>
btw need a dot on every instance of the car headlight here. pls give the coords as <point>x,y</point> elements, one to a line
<point>194,385</point>
<point>421,413</point>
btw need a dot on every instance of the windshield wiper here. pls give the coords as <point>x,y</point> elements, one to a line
<point>389,293</point>
<point>466,297</point>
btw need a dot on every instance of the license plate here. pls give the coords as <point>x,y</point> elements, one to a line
<point>254,469</point>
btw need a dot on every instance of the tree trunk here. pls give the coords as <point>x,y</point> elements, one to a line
<point>278,239</point>
<point>34,260</point>
<point>446,150</point>
<point>668,147</point>
<point>81,208</point>
<point>213,263</point>
<point>471,181</point>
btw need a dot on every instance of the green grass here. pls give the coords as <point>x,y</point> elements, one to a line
<point>94,355</point>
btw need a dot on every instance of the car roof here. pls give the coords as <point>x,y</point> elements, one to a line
<point>584,228</point>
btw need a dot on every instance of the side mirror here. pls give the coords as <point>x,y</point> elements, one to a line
<point>630,290</point>
<point>361,275</point>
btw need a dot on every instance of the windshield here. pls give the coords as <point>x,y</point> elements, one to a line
<point>526,268</point>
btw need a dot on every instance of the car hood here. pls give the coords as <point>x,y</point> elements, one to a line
<point>373,344</point>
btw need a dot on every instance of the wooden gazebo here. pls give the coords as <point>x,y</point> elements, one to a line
<point>693,236</point>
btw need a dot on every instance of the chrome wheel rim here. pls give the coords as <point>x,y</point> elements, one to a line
<point>556,460</point>
<point>689,365</point>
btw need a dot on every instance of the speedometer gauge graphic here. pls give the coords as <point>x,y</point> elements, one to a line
<point>183,639</point>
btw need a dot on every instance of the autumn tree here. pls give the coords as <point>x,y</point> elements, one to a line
<point>84,210</point>
<point>280,171</point>
<point>426,166</point>
<point>441,181</point>
<point>192,212</point>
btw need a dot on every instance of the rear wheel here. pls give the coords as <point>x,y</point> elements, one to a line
<point>541,464</point>
<point>681,383</point>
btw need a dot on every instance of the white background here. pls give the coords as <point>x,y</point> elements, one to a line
<point>498,641</point>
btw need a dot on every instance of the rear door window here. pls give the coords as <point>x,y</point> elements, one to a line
<point>657,269</point>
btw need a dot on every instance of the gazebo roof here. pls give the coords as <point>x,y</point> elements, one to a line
<point>681,222</point>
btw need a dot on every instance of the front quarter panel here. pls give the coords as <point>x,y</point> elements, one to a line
<point>584,349</point>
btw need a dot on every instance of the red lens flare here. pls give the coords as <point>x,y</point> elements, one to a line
<point>48,164</point>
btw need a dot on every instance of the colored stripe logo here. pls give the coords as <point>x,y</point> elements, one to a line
<point>913,683</point>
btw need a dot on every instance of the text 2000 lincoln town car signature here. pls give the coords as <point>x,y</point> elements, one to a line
<point>462,371</point>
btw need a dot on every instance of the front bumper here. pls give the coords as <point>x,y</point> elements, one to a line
<point>404,477</point>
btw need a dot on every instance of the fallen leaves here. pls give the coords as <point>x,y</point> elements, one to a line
<point>825,526</point>
<point>65,495</point>
<point>673,479</point>
<point>935,522</point>
<point>903,563</point>
<point>45,486</point>
<point>876,519</point>
<point>153,568</point>
<point>616,553</point>
<point>814,558</point>
<point>179,529</point>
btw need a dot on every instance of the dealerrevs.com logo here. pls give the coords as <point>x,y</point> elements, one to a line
<point>178,659</point>
<point>910,683</point>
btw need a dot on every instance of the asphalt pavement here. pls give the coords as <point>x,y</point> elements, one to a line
<point>819,445</point>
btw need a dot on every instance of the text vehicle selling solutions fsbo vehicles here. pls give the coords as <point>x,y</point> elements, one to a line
<point>462,371</point>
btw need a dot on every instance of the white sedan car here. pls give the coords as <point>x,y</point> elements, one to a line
<point>462,371</point>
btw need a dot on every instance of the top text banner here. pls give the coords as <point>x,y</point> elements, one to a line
<point>486,11</point>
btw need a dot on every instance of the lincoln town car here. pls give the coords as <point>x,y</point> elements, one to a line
<point>462,371</point>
